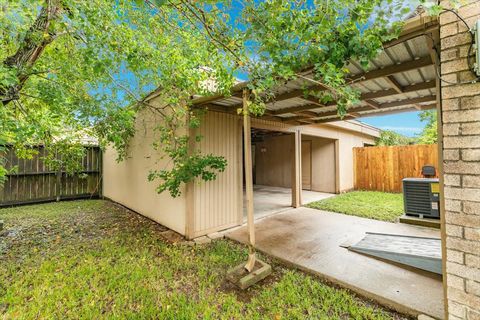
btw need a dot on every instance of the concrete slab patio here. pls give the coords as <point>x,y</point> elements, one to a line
<point>312,240</point>
<point>268,200</point>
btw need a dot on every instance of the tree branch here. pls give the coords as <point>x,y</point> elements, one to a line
<point>30,50</point>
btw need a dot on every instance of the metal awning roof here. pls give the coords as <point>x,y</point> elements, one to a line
<point>402,78</point>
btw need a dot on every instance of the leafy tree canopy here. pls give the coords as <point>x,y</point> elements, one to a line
<point>392,138</point>
<point>429,132</point>
<point>70,67</point>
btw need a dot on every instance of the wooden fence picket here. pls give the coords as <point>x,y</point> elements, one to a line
<point>35,182</point>
<point>383,168</point>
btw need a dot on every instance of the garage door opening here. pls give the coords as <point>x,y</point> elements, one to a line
<point>273,164</point>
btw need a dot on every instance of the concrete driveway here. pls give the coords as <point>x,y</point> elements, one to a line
<point>312,240</point>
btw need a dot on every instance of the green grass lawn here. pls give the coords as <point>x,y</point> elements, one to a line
<point>93,260</point>
<point>368,204</point>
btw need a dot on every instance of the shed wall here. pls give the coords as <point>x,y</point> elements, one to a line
<point>126,182</point>
<point>346,140</point>
<point>205,207</point>
<point>217,204</point>
<point>273,161</point>
<point>348,135</point>
<point>323,164</point>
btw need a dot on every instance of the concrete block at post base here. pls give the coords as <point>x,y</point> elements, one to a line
<point>243,279</point>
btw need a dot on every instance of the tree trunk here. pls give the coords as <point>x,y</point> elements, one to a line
<point>29,51</point>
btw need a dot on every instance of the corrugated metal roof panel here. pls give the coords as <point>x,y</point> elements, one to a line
<point>395,55</point>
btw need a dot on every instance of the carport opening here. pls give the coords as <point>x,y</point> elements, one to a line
<point>273,166</point>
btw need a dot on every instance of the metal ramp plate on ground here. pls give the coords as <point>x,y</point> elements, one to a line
<point>419,252</point>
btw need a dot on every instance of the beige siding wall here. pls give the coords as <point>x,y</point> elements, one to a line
<point>126,182</point>
<point>273,161</point>
<point>218,204</point>
<point>323,164</point>
<point>346,141</point>
<point>205,207</point>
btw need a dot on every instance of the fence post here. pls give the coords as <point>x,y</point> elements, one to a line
<point>58,186</point>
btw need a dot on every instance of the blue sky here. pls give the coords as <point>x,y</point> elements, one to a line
<point>407,123</point>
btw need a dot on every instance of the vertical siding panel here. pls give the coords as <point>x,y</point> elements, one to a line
<point>216,201</point>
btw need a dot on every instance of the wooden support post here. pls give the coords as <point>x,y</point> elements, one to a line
<point>296,170</point>
<point>190,188</point>
<point>433,41</point>
<point>337,167</point>
<point>299,168</point>
<point>247,144</point>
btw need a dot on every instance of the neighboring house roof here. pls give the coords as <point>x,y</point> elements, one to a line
<point>356,126</point>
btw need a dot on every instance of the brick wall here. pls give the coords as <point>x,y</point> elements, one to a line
<point>461,153</point>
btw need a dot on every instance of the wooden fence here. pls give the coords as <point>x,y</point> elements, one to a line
<point>383,168</point>
<point>34,182</point>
